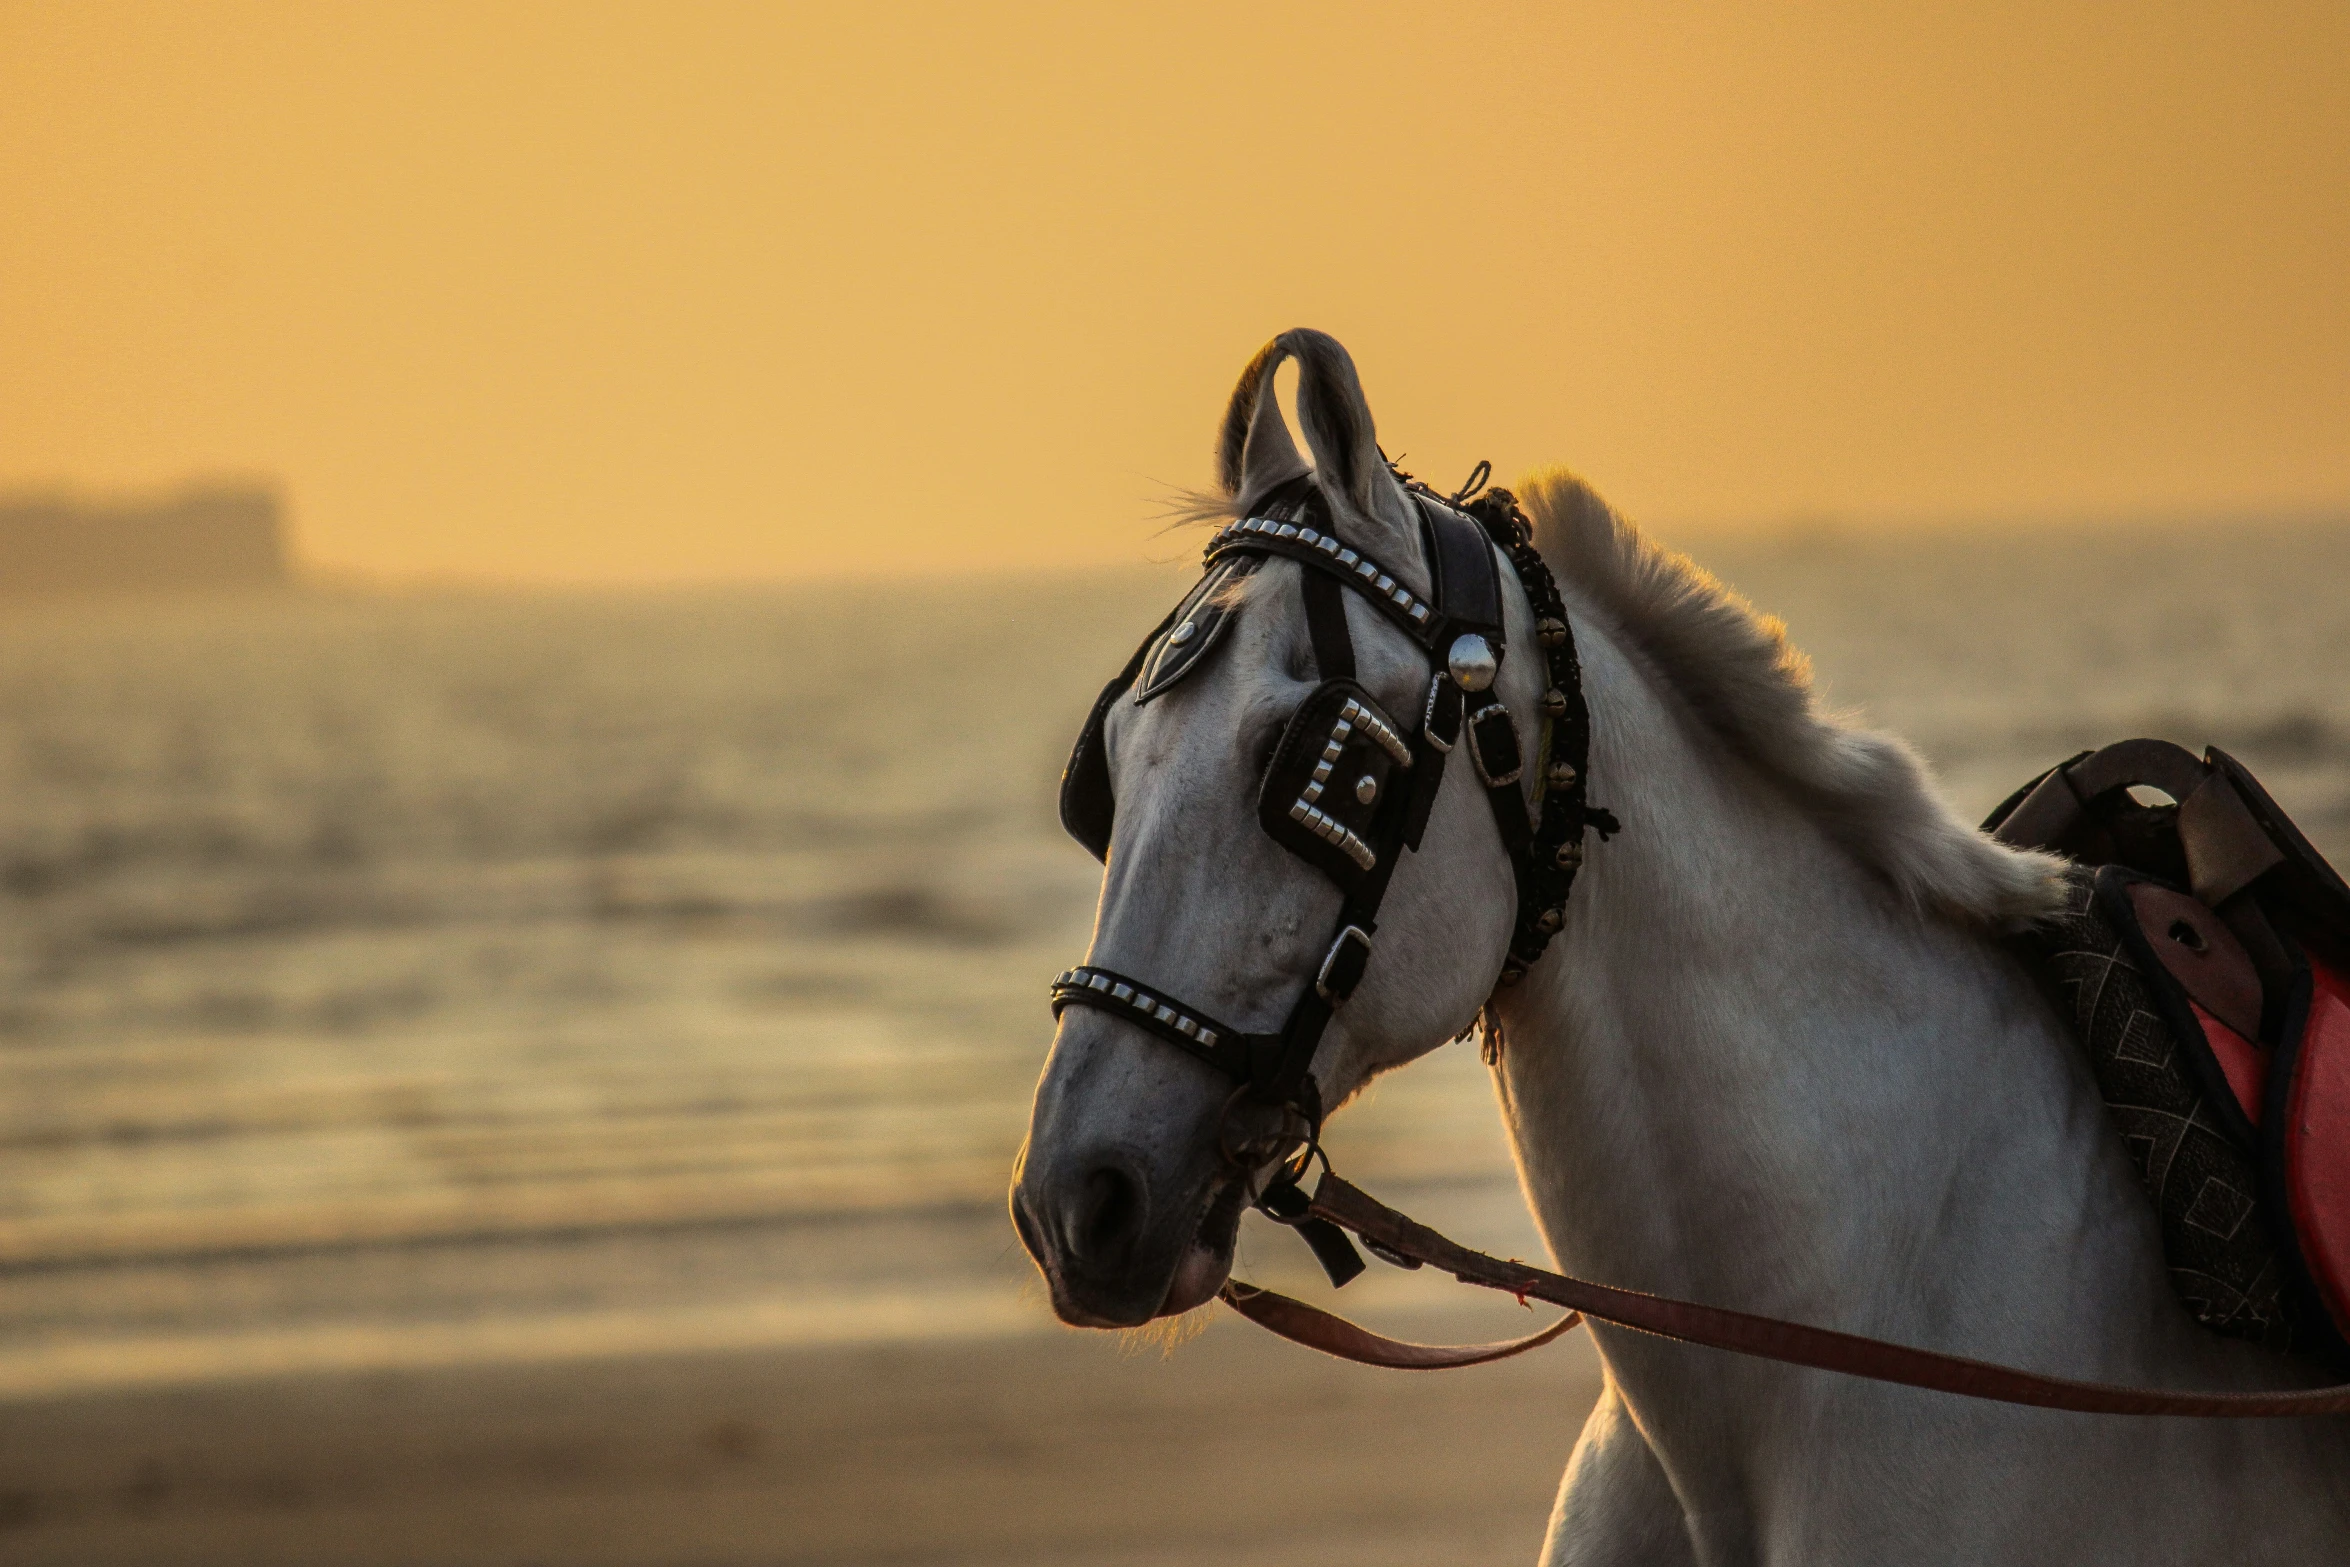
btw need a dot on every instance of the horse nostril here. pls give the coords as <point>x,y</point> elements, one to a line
<point>1110,1214</point>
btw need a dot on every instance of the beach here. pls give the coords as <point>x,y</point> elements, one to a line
<point>949,1424</point>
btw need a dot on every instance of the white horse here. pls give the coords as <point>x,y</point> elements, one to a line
<point>1777,1061</point>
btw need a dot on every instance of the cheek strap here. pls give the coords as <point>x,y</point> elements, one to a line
<point>1334,650</point>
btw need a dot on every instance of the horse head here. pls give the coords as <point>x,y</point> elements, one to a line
<point>1231,863</point>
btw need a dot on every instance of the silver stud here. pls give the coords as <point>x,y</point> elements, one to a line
<point>1122,992</point>
<point>1366,788</point>
<point>1308,536</point>
<point>1471,662</point>
<point>1386,583</point>
<point>1287,530</point>
<point>1183,633</point>
<point>1207,1036</point>
<point>1419,612</point>
<point>1347,557</point>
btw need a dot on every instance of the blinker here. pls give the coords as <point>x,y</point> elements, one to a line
<point>1088,809</point>
<point>1199,620</point>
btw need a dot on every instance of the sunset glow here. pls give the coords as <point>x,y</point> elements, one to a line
<point>634,294</point>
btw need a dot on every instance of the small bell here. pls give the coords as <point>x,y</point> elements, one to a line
<point>1561,775</point>
<point>1551,630</point>
<point>1554,703</point>
<point>1570,855</point>
<point>1511,973</point>
<point>1550,920</point>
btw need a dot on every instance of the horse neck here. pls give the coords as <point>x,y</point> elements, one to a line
<point>1749,1076</point>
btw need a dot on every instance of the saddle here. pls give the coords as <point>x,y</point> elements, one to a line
<point>2203,956</point>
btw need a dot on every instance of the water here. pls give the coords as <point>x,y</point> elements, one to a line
<point>442,959</point>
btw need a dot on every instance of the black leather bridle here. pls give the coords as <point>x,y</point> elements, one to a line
<point>1330,793</point>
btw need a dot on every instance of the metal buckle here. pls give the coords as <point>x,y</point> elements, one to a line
<point>1436,742</point>
<point>1477,751</point>
<point>1330,962</point>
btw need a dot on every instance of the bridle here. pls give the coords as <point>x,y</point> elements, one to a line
<point>1349,789</point>
<point>1328,797</point>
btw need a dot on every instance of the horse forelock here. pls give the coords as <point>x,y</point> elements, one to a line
<point>1735,670</point>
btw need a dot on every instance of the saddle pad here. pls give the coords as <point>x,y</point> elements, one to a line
<point>2225,1264</point>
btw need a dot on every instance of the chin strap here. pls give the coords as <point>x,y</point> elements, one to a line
<point>1397,1238</point>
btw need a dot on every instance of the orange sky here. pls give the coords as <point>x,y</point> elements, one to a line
<point>661,292</point>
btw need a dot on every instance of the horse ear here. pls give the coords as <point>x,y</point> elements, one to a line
<point>1336,418</point>
<point>1254,452</point>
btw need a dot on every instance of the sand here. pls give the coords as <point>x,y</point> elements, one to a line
<point>878,1388</point>
<point>1029,1446</point>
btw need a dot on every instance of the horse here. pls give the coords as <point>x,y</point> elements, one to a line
<point>1777,1058</point>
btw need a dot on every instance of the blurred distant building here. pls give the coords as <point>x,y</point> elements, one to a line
<point>204,536</point>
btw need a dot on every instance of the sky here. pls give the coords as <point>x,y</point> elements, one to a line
<point>608,294</point>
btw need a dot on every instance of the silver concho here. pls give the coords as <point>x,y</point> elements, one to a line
<point>1366,788</point>
<point>1472,662</point>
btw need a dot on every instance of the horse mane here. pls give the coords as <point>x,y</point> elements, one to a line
<point>1736,671</point>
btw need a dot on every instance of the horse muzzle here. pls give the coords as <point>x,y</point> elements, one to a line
<point>1116,1248</point>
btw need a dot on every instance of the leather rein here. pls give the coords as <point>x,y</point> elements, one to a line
<point>1394,1236</point>
<point>1461,633</point>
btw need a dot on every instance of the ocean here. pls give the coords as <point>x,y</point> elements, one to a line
<point>445,977</point>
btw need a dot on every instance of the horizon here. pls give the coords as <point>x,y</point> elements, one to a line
<point>304,574</point>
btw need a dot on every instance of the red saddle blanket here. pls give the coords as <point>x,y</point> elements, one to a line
<point>2204,958</point>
